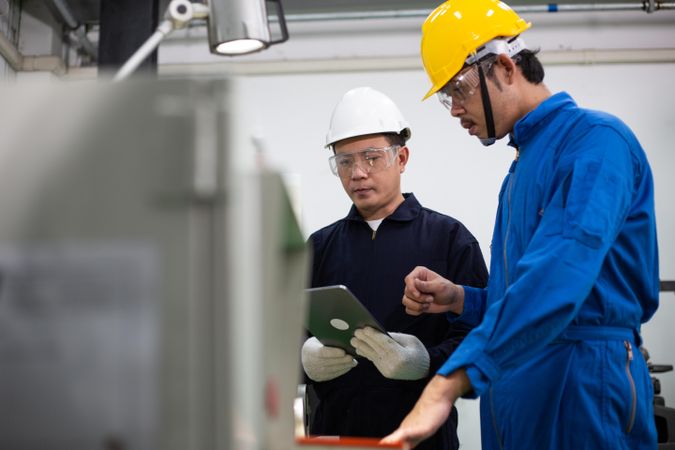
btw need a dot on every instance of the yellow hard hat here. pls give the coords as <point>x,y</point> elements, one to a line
<point>457,28</point>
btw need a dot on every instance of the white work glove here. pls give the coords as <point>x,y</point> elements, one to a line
<point>323,363</point>
<point>399,357</point>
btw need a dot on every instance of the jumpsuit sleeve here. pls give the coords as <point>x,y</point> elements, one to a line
<point>560,263</point>
<point>475,300</point>
<point>466,266</point>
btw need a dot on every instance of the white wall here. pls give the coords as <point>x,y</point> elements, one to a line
<point>449,171</point>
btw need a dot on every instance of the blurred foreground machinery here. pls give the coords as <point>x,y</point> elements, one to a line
<point>151,297</point>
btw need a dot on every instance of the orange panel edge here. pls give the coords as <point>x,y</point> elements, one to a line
<point>347,442</point>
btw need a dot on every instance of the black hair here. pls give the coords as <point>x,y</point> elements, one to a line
<point>395,139</point>
<point>530,65</point>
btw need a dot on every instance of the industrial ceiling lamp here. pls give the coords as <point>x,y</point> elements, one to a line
<point>236,27</point>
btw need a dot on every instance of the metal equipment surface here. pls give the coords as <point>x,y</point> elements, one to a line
<point>151,297</point>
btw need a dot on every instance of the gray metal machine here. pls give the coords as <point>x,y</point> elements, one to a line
<point>151,296</point>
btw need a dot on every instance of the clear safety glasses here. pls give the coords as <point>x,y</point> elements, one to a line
<point>463,85</point>
<point>369,160</point>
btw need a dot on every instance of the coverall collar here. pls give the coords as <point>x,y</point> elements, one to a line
<point>532,122</point>
<point>406,211</point>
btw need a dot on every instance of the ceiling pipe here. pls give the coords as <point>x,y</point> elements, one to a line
<point>78,33</point>
<point>21,63</point>
<point>10,53</point>
<point>647,6</point>
<point>337,65</point>
<point>67,16</point>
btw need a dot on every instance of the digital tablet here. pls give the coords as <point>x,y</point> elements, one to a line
<point>335,313</point>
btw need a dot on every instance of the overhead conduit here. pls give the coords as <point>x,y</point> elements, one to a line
<point>646,6</point>
<point>21,63</point>
<point>334,65</point>
<point>657,55</point>
<point>79,35</point>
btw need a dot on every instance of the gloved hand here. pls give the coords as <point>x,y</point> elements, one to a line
<point>399,357</point>
<point>323,363</point>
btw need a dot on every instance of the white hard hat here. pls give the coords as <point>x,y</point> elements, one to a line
<point>364,111</point>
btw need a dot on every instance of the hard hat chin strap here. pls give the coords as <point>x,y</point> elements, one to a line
<point>510,46</point>
<point>487,109</point>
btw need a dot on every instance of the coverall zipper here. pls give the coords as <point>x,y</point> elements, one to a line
<point>629,358</point>
<point>508,220</point>
<point>373,258</point>
<point>494,421</point>
<point>506,280</point>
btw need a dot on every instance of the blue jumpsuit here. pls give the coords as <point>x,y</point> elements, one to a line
<point>573,274</point>
<point>373,265</point>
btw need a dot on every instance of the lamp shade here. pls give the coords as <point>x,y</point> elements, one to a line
<point>238,27</point>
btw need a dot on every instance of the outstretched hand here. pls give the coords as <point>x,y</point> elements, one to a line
<point>428,292</point>
<point>431,410</point>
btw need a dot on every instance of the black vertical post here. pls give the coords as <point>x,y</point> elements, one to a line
<point>125,26</point>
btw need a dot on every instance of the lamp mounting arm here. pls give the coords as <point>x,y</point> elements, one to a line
<point>178,15</point>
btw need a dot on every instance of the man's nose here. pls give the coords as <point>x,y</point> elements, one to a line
<point>457,109</point>
<point>358,172</point>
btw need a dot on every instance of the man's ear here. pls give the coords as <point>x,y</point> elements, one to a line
<point>509,67</point>
<point>402,157</point>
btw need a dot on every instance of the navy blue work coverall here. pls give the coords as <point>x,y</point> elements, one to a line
<point>573,275</point>
<point>373,266</point>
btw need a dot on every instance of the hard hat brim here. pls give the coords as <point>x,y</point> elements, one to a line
<point>431,92</point>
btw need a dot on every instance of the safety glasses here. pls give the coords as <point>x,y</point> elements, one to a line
<point>369,160</point>
<point>463,85</point>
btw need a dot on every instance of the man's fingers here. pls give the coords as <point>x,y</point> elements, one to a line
<point>329,372</point>
<point>331,352</point>
<point>417,304</point>
<point>374,337</point>
<point>414,307</point>
<point>423,286</point>
<point>413,312</point>
<point>418,273</point>
<point>420,290</point>
<point>338,362</point>
<point>394,438</point>
<point>370,343</point>
<point>363,348</point>
<point>418,294</point>
<point>410,290</point>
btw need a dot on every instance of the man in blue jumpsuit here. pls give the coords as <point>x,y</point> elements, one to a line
<point>574,269</point>
<point>382,238</point>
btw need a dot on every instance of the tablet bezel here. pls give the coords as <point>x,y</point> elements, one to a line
<point>337,302</point>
